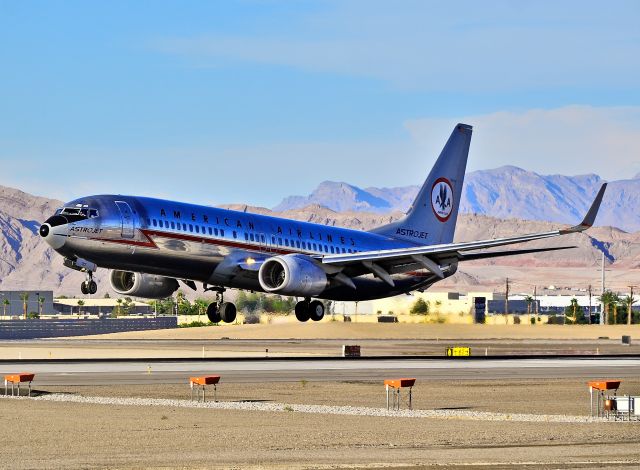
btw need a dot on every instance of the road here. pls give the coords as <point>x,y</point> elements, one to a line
<point>275,370</point>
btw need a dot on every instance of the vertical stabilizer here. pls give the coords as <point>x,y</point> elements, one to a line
<point>432,217</point>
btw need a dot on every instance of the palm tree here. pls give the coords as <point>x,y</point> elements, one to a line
<point>628,301</point>
<point>80,305</point>
<point>529,300</point>
<point>119,308</point>
<point>41,301</point>
<point>607,299</point>
<point>5,303</point>
<point>24,297</point>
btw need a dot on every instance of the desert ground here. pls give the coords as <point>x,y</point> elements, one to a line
<point>327,338</point>
<point>63,435</point>
<point>111,431</point>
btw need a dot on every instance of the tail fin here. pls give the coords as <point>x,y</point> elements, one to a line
<point>432,217</point>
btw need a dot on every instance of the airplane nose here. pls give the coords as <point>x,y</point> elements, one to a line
<point>44,230</point>
<point>54,232</point>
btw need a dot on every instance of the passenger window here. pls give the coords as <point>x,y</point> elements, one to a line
<point>280,241</point>
<point>184,227</point>
<point>251,237</point>
<point>304,246</point>
<point>155,223</point>
<point>273,240</point>
<point>222,232</point>
<point>210,231</point>
<point>160,223</point>
<point>246,236</point>
<point>197,229</point>
<point>315,247</point>
<point>298,243</point>
<point>190,228</point>
<point>262,237</point>
<point>332,249</point>
<point>215,230</point>
<point>286,242</point>
<point>235,234</point>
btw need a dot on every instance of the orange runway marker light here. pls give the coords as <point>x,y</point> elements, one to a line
<point>18,379</point>
<point>605,384</point>
<point>601,386</point>
<point>201,382</point>
<point>395,385</point>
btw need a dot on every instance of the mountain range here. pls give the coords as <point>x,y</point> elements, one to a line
<point>505,192</point>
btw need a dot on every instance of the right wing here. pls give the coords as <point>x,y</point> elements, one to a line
<point>385,262</point>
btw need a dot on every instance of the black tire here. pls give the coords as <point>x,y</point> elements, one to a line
<point>302,311</point>
<point>93,287</point>
<point>228,312</point>
<point>316,310</point>
<point>84,289</point>
<point>212,313</point>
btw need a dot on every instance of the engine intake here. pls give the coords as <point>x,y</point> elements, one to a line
<point>292,275</point>
<point>144,285</point>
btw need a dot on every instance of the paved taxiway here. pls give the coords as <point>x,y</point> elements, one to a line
<point>274,370</point>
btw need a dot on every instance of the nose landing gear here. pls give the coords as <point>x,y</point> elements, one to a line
<point>220,310</point>
<point>89,286</point>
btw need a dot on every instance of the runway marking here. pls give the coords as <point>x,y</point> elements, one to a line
<point>319,409</point>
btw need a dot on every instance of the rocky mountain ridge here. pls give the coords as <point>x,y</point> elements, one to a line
<point>505,192</point>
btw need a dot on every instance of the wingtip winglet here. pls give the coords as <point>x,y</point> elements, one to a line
<point>590,218</point>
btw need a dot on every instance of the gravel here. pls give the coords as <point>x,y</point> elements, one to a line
<point>315,409</point>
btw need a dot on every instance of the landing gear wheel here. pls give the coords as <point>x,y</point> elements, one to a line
<point>89,286</point>
<point>228,312</point>
<point>302,311</point>
<point>316,310</point>
<point>213,314</point>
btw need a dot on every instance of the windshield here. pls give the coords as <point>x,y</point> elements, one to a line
<point>82,212</point>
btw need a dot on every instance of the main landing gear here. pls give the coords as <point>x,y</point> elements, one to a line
<point>220,310</point>
<point>89,286</point>
<point>309,310</point>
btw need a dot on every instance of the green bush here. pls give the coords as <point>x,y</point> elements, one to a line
<point>195,324</point>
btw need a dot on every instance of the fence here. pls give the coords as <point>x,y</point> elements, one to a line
<point>31,329</point>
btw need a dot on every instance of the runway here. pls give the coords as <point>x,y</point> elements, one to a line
<point>274,370</point>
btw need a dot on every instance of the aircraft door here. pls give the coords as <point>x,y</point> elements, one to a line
<point>128,225</point>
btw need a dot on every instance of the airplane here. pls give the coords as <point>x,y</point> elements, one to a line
<point>151,245</point>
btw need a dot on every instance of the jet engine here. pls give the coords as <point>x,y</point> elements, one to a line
<point>148,286</point>
<point>294,275</point>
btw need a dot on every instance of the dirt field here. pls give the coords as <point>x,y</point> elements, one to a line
<point>65,435</point>
<point>333,330</point>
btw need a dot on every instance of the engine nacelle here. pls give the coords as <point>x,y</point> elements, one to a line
<point>148,286</point>
<point>292,275</point>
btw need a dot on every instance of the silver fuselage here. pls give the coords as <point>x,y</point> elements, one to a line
<point>214,246</point>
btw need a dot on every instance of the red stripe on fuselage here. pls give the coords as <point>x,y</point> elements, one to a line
<point>191,238</point>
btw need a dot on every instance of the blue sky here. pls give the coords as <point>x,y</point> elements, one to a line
<point>251,101</point>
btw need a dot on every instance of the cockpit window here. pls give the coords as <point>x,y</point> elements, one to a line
<point>81,212</point>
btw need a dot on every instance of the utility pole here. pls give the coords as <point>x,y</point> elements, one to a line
<point>602,304</point>
<point>589,304</point>
<point>535,300</point>
<point>506,298</point>
<point>630,307</point>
